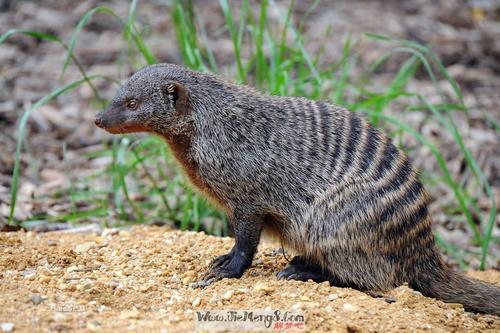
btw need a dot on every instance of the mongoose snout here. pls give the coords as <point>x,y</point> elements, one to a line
<point>333,188</point>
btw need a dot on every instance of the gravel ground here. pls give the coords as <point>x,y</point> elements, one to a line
<point>138,279</point>
<point>465,34</point>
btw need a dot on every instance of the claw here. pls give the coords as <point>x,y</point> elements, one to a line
<point>302,273</point>
<point>221,261</point>
<point>201,284</point>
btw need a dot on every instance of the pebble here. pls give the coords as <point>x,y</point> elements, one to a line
<point>333,297</point>
<point>60,317</point>
<point>7,327</point>
<point>72,269</point>
<point>390,299</point>
<point>189,276</point>
<point>228,294</point>
<point>109,232</point>
<point>353,329</point>
<point>242,291</point>
<point>350,307</point>
<point>45,279</point>
<point>85,285</point>
<point>263,288</point>
<point>94,326</point>
<point>129,314</point>
<point>36,299</point>
<point>84,247</point>
<point>175,279</point>
<point>113,283</point>
<point>196,302</point>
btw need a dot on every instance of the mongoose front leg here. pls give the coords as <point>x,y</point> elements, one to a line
<point>247,229</point>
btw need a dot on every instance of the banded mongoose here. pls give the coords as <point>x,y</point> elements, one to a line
<point>334,189</point>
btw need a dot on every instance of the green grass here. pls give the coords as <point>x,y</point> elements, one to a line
<point>264,58</point>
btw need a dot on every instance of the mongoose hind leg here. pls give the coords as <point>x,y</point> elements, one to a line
<point>247,229</point>
<point>300,269</point>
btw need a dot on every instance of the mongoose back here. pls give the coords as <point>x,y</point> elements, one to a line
<point>333,188</point>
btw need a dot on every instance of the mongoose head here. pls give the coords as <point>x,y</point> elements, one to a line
<point>149,101</point>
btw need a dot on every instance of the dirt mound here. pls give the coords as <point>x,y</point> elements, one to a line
<point>139,279</point>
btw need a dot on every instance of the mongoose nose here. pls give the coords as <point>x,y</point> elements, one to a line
<point>98,121</point>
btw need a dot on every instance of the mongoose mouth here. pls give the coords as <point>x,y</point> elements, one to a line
<point>120,129</point>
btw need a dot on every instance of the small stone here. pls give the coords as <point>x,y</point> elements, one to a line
<point>129,314</point>
<point>7,327</point>
<point>242,291</point>
<point>36,299</point>
<point>109,232</point>
<point>94,326</point>
<point>103,245</point>
<point>228,294</point>
<point>333,297</point>
<point>196,302</point>
<point>45,279</point>
<point>390,299</point>
<point>146,288</point>
<point>60,317</point>
<point>189,276</point>
<point>71,287</point>
<point>263,288</point>
<point>71,269</point>
<point>350,307</point>
<point>353,329</point>
<point>113,283</point>
<point>175,279</point>
<point>51,242</point>
<point>85,285</point>
<point>124,233</point>
<point>84,247</point>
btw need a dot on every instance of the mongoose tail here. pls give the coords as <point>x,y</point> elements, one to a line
<point>435,279</point>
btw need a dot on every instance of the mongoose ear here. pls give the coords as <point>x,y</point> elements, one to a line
<point>178,96</point>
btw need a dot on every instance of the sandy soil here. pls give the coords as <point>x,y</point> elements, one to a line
<point>139,280</point>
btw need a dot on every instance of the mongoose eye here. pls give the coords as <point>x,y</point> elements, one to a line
<point>132,104</point>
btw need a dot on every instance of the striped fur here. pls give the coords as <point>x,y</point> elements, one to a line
<point>333,188</point>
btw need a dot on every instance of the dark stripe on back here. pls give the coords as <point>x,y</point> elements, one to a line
<point>314,130</point>
<point>355,129</point>
<point>398,179</point>
<point>339,136</point>
<point>399,228</point>
<point>326,124</point>
<point>297,123</point>
<point>389,156</point>
<point>409,196</point>
<point>370,149</point>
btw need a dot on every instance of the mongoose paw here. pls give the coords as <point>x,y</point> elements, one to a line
<point>214,275</point>
<point>221,261</point>
<point>302,273</point>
